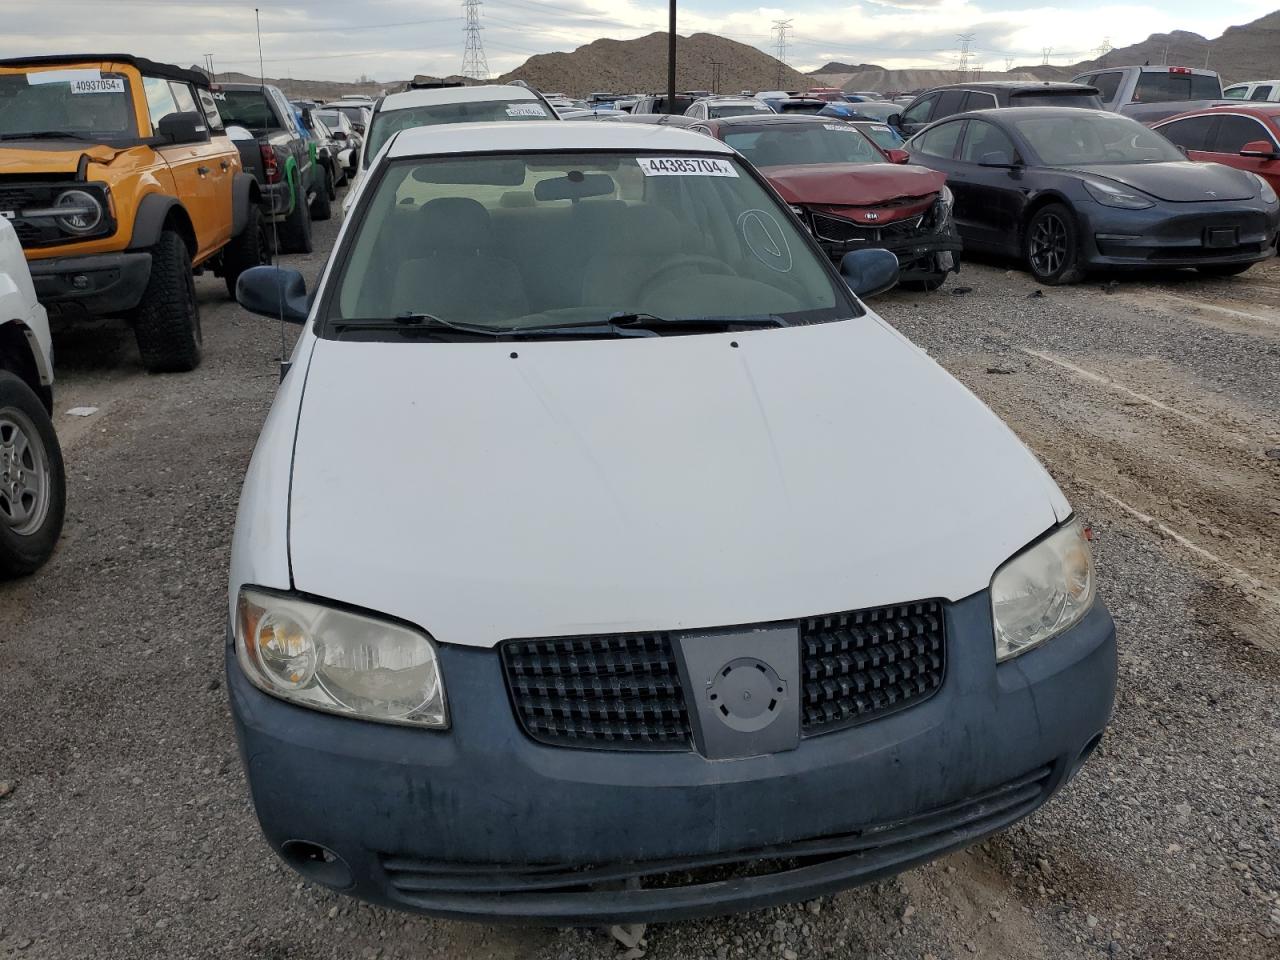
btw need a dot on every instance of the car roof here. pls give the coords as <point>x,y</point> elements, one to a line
<point>1013,86</point>
<point>1031,113</point>
<point>1254,108</point>
<point>504,137</point>
<point>168,71</point>
<point>479,93</point>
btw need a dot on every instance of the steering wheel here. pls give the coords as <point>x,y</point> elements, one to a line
<point>692,261</point>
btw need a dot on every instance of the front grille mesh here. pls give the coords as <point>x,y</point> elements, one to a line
<point>623,691</point>
<point>837,230</point>
<point>612,691</point>
<point>862,665</point>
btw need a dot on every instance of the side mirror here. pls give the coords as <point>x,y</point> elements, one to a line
<point>996,158</point>
<point>895,120</point>
<point>869,272</point>
<point>1262,149</point>
<point>1183,150</point>
<point>187,127</point>
<point>339,134</point>
<point>898,156</point>
<point>274,292</point>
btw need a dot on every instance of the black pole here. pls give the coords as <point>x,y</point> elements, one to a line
<point>671,61</point>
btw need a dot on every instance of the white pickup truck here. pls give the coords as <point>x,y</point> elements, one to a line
<point>1151,93</point>
<point>32,478</point>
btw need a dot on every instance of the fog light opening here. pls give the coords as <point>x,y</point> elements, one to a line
<point>1084,754</point>
<point>317,863</point>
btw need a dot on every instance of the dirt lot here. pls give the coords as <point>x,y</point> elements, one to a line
<point>125,825</point>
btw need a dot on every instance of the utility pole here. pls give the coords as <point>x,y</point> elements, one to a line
<point>475,66</point>
<point>965,39</point>
<point>780,28</point>
<point>1165,59</point>
<point>671,58</point>
<point>715,75</point>
<point>1207,47</point>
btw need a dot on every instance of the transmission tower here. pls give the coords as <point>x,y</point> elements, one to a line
<point>780,28</point>
<point>965,39</point>
<point>1047,51</point>
<point>1008,64</point>
<point>474,64</point>
<point>715,75</point>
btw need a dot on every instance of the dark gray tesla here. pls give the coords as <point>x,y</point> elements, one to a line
<point>1069,190</point>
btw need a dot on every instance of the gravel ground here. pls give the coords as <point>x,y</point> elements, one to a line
<point>125,825</point>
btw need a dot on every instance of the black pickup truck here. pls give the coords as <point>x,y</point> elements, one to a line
<point>280,156</point>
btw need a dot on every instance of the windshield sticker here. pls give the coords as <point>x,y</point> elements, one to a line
<point>840,127</point>
<point>879,128</point>
<point>766,239</point>
<point>525,110</point>
<point>685,167</point>
<point>61,76</point>
<point>107,85</point>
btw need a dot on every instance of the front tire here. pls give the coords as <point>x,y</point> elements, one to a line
<point>925,284</point>
<point>33,482</point>
<point>1051,246</point>
<point>251,248</point>
<point>167,322</point>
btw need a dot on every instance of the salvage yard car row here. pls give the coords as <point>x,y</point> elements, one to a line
<point>642,580</point>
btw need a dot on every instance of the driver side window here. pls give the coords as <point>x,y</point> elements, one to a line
<point>983,139</point>
<point>919,112</point>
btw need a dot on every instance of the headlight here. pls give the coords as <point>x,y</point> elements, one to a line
<point>1268,194</point>
<point>1042,591</point>
<point>77,211</point>
<point>331,659</point>
<point>1112,195</point>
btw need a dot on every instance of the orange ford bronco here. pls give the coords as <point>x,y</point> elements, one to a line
<point>119,178</point>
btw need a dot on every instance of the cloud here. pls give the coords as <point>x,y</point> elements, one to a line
<point>392,39</point>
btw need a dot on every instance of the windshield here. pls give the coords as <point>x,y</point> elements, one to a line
<point>1094,138</point>
<point>737,109</point>
<point>83,103</point>
<point>1159,87</point>
<point>549,239</point>
<point>247,108</point>
<point>1044,98</point>
<point>386,123</point>
<point>785,144</point>
<point>331,119</point>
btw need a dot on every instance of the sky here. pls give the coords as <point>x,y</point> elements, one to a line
<point>394,39</point>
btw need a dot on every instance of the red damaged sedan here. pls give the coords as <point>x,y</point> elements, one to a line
<point>849,192</point>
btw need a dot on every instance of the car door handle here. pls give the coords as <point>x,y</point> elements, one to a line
<point>203,171</point>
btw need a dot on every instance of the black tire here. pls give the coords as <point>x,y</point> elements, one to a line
<point>30,466</point>
<point>331,181</point>
<point>320,205</point>
<point>295,232</point>
<point>251,248</point>
<point>167,321</point>
<point>1223,269</point>
<point>1051,247</point>
<point>925,284</point>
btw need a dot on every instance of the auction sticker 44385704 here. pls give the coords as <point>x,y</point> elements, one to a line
<point>685,167</point>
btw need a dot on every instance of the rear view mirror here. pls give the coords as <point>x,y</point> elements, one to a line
<point>1263,149</point>
<point>898,156</point>
<point>574,186</point>
<point>869,272</point>
<point>996,158</point>
<point>274,292</point>
<point>187,127</point>
<point>894,120</point>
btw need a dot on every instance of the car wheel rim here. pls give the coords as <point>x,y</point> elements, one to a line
<point>24,473</point>
<point>1049,245</point>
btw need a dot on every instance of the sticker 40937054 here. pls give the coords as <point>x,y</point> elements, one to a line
<point>101,85</point>
<point>685,167</point>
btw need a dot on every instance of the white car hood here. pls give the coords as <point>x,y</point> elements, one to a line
<point>661,483</point>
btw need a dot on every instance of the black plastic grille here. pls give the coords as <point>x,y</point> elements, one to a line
<point>862,665</point>
<point>619,691</point>
<point>837,230</point>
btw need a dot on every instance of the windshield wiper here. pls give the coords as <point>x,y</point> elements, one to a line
<point>44,135</point>
<point>416,324</point>
<point>649,321</point>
